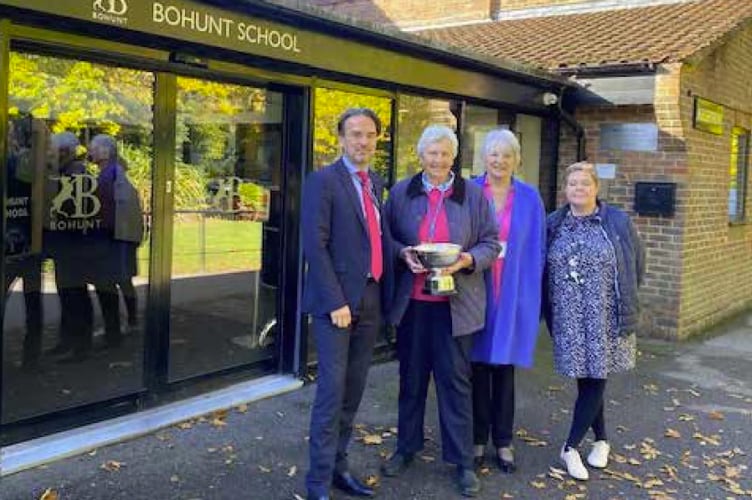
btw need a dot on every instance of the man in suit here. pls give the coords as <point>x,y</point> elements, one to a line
<point>342,242</point>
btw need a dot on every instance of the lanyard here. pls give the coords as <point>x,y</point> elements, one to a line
<point>434,219</point>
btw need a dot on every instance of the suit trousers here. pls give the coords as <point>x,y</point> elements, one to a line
<point>425,345</point>
<point>344,356</point>
<point>493,404</point>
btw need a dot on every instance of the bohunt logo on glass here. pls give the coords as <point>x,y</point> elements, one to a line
<point>110,11</point>
<point>76,204</point>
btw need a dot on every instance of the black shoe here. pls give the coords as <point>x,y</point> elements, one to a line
<point>396,464</point>
<point>468,483</point>
<point>479,461</point>
<point>506,462</point>
<point>351,485</point>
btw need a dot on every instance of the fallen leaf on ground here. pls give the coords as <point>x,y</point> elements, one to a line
<point>539,485</point>
<point>427,458</point>
<point>372,481</point>
<point>49,494</point>
<point>292,471</point>
<point>706,439</point>
<point>372,439</point>
<point>242,408</point>
<point>218,423</point>
<point>263,469</point>
<point>732,472</point>
<point>652,483</point>
<point>716,415</point>
<point>672,433</point>
<point>112,466</point>
<point>174,479</point>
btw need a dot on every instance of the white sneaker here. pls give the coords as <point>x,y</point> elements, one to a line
<point>574,464</point>
<point>598,456</point>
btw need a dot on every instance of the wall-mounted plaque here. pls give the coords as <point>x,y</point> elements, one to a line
<point>708,116</point>
<point>629,136</point>
<point>605,170</point>
<point>655,198</point>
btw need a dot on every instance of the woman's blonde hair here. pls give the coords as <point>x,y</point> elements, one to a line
<point>581,166</point>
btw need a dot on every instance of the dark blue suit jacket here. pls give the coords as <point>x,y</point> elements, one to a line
<point>335,240</point>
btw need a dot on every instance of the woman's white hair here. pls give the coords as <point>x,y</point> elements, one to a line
<point>108,142</point>
<point>436,133</point>
<point>65,140</point>
<point>504,138</point>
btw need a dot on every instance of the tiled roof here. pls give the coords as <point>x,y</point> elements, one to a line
<point>657,34</point>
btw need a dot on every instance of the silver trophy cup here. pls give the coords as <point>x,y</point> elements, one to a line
<point>435,256</point>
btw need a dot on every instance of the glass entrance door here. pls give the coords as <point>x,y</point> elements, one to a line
<point>76,243</point>
<point>225,243</point>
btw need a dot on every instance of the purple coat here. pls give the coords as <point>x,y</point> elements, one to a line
<point>513,321</point>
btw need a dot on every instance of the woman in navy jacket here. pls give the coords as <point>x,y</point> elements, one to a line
<point>594,266</point>
<point>435,334</point>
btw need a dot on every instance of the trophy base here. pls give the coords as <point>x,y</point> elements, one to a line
<point>439,286</point>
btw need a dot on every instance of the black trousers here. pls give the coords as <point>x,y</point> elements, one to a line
<point>28,269</point>
<point>344,356</point>
<point>128,291</point>
<point>588,411</point>
<point>493,404</point>
<point>109,303</point>
<point>425,345</point>
<point>76,318</point>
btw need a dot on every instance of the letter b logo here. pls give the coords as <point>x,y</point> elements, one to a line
<point>114,7</point>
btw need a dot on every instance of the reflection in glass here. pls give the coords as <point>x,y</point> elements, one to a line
<point>529,131</point>
<point>328,106</point>
<point>79,170</point>
<point>226,240</point>
<point>478,122</point>
<point>415,114</point>
<point>738,174</point>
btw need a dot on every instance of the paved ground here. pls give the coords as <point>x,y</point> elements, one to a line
<point>679,424</point>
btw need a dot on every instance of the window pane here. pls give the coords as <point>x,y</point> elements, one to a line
<point>226,244</point>
<point>329,105</point>
<point>528,129</point>
<point>738,172</point>
<point>76,225</point>
<point>415,114</point>
<point>479,121</point>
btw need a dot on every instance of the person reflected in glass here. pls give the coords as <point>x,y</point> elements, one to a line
<point>21,262</point>
<point>127,290</point>
<point>513,294</point>
<point>435,333</point>
<point>594,266</point>
<point>118,232</point>
<point>63,241</point>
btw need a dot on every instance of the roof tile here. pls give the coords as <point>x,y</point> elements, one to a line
<point>657,34</point>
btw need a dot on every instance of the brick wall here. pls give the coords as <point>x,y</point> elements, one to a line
<point>407,13</point>
<point>699,268</point>
<point>660,293</point>
<point>717,270</point>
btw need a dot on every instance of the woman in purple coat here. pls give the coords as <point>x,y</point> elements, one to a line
<point>513,295</point>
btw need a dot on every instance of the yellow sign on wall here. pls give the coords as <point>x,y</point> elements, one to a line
<point>708,116</point>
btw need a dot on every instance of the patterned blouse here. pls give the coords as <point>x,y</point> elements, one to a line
<point>583,293</point>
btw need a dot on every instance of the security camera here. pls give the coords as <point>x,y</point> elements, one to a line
<point>549,99</point>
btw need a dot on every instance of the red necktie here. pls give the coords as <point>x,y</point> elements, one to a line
<point>374,233</point>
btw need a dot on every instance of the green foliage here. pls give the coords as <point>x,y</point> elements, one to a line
<point>329,105</point>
